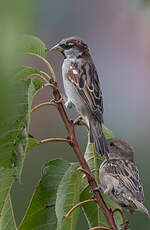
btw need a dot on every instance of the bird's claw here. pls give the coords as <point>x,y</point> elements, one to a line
<point>125,225</point>
<point>80,121</point>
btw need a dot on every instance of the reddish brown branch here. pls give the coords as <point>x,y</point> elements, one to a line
<point>70,128</point>
<point>53,140</point>
<point>86,172</point>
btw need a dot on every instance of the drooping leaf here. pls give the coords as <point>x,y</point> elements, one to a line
<point>33,45</point>
<point>22,72</point>
<point>41,212</point>
<point>14,141</point>
<point>68,195</point>
<point>23,121</point>
<point>7,221</point>
<point>107,132</point>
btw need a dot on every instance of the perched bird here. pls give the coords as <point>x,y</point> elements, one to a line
<point>119,177</point>
<point>82,87</point>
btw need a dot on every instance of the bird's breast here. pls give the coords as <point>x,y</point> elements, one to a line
<point>71,90</point>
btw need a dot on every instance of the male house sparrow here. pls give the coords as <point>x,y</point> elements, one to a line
<point>119,177</point>
<point>82,87</point>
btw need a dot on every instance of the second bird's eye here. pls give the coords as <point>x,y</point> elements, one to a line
<point>112,144</point>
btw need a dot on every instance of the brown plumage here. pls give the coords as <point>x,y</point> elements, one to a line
<point>120,178</point>
<point>82,87</point>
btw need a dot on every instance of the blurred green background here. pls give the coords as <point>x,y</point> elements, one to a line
<point>118,33</point>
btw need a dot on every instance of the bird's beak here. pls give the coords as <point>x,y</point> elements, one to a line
<point>57,48</point>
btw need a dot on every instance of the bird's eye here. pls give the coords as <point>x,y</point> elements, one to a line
<point>68,46</point>
<point>111,144</point>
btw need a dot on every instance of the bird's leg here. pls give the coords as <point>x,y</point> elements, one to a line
<point>126,224</point>
<point>80,121</point>
<point>68,103</point>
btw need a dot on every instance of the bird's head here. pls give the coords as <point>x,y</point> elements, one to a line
<point>120,149</point>
<point>72,48</point>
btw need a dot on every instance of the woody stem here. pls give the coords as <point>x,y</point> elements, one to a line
<point>74,144</point>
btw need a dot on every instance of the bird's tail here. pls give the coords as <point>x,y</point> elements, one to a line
<point>97,137</point>
<point>141,208</point>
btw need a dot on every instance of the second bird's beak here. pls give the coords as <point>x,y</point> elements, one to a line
<point>57,48</point>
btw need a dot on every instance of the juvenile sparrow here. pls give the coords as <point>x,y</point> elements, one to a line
<point>119,177</point>
<point>82,87</point>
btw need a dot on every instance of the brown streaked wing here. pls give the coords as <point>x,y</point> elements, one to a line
<point>87,83</point>
<point>128,175</point>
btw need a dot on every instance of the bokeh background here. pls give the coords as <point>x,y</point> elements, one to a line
<point>118,33</point>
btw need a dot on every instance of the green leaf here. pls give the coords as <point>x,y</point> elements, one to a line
<point>34,45</point>
<point>68,195</point>
<point>31,144</point>
<point>93,213</point>
<point>7,221</point>
<point>41,212</point>
<point>107,132</point>
<point>22,72</point>
<point>14,128</point>
<point>22,123</point>
<point>16,96</point>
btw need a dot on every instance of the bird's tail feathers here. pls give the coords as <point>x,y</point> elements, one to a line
<point>141,208</point>
<point>97,137</point>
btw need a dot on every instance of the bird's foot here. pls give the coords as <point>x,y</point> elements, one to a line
<point>68,103</point>
<point>80,121</point>
<point>125,225</point>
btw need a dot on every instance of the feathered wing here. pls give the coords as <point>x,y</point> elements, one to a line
<point>127,173</point>
<point>84,76</point>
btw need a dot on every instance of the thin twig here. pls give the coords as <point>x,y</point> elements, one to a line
<point>102,228</point>
<point>41,105</point>
<point>46,62</point>
<point>78,205</point>
<point>53,140</point>
<point>122,215</point>
<point>45,74</point>
<point>51,85</point>
<point>38,75</point>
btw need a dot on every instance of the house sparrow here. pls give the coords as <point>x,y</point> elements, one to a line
<point>119,177</point>
<point>82,87</point>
